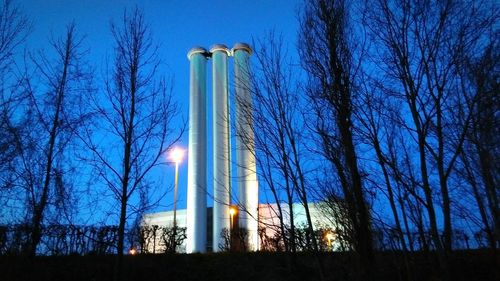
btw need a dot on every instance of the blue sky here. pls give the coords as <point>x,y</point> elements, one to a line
<point>177,26</point>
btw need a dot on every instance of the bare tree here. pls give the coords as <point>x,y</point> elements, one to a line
<point>480,154</point>
<point>14,28</point>
<point>327,53</point>
<point>372,113</point>
<point>273,111</point>
<point>279,137</point>
<point>49,123</point>
<point>379,132</point>
<point>419,46</point>
<point>135,113</point>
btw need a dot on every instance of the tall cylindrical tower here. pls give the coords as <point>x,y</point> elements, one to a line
<point>197,155</point>
<point>248,189</point>
<point>221,149</point>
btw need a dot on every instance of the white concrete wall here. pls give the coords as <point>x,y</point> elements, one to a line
<point>268,219</point>
<point>165,219</point>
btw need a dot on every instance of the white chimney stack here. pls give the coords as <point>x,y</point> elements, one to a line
<point>197,153</point>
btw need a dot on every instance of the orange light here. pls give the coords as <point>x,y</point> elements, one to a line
<point>329,236</point>
<point>232,211</point>
<point>176,155</point>
<point>132,251</point>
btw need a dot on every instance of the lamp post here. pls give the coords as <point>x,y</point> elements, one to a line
<point>176,156</point>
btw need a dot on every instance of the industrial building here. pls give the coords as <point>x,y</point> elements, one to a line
<point>205,226</point>
<point>268,221</point>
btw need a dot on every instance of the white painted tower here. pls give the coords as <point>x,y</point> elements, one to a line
<point>221,157</point>
<point>196,218</point>
<point>248,189</point>
<point>220,137</point>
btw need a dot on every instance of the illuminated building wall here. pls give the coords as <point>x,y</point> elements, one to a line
<point>268,224</point>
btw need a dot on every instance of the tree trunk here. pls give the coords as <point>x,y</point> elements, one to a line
<point>118,270</point>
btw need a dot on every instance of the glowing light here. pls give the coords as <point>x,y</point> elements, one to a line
<point>176,155</point>
<point>232,211</point>
<point>329,236</point>
<point>132,251</point>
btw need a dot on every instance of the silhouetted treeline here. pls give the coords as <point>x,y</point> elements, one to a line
<point>60,240</point>
<point>154,239</point>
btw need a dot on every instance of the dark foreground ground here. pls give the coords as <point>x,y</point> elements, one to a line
<point>465,265</point>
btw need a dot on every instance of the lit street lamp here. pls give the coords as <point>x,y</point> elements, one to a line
<point>176,156</point>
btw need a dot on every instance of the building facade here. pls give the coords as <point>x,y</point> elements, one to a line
<point>268,222</point>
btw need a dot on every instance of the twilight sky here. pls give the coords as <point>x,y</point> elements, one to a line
<point>177,26</point>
